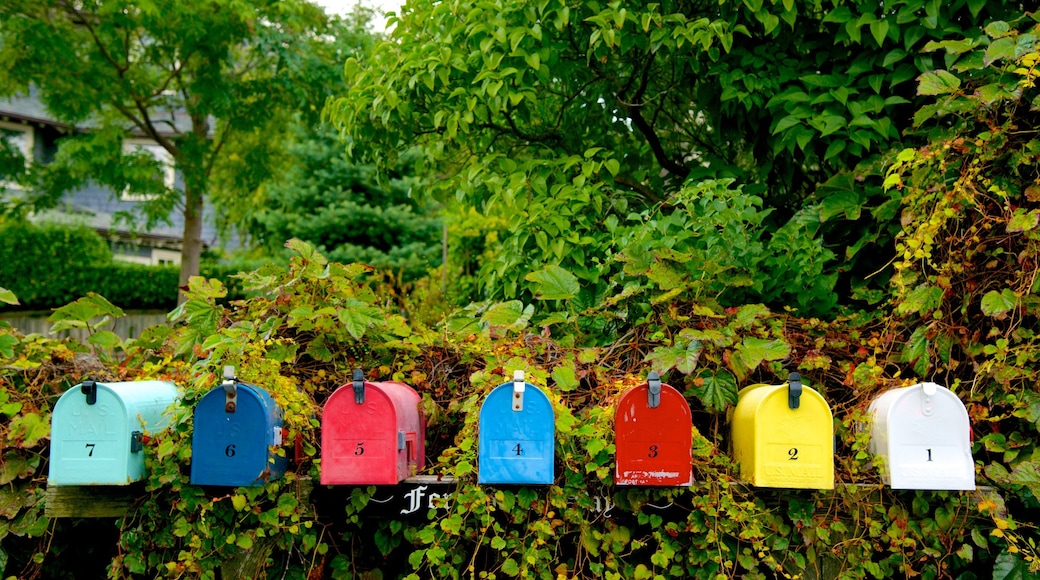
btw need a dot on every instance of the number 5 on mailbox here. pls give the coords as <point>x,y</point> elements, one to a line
<point>517,435</point>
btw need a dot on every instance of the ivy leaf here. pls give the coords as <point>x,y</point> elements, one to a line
<point>717,390</point>
<point>239,502</point>
<point>7,297</point>
<point>553,283</point>
<point>356,319</point>
<point>1027,473</point>
<point>665,358</point>
<point>7,344</point>
<point>1000,49</point>
<point>105,339</point>
<point>1010,566</point>
<point>997,304</point>
<point>750,353</point>
<point>916,351</point>
<point>937,82</point>
<point>1023,221</point>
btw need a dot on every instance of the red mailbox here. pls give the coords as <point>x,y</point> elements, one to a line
<point>371,434</point>
<point>653,432</point>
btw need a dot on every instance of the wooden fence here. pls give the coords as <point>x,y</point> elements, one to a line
<point>129,326</point>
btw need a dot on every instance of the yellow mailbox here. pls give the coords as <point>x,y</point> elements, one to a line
<point>783,436</point>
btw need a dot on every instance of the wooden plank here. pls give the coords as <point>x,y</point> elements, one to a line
<point>91,501</point>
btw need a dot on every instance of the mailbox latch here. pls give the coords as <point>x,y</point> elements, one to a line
<point>653,396</point>
<point>89,388</point>
<point>230,385</point>
<point>359,387</point>
<point>519,386</point>
<point>794,390</point>
<point>928,405</point>
<point>136,441</point>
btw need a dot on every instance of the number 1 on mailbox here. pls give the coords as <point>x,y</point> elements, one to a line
<point>653,435</point>
<point>517,435</point>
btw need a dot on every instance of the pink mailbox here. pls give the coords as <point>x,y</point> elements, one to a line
<point>371,434</point>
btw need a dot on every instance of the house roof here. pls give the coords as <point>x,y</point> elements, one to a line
<point>29,107</point>
<point>105,224</point>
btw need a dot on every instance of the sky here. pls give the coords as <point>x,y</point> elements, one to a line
<point>342,7</point>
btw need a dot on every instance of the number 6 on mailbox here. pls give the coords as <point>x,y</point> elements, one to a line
<point>517,435</point>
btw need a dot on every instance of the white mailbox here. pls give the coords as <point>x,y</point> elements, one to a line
<point>923,434</point>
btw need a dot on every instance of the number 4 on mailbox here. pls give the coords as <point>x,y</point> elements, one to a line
<point>517,435</point>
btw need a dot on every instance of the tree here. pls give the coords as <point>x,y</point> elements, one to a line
<point>192,77</point>
<point>563,115</point>
<point>339,208</point>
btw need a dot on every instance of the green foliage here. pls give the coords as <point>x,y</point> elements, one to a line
<point>213,86</point>
<point>340,209</point>
<point>51,265</point>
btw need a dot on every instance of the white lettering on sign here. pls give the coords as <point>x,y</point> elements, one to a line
<point>415,500</point>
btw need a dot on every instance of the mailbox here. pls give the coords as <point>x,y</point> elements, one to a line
<point>924,436</point>
<point>783,436</point>
<point>238,428</point>
<point>517,435</point>
<point>97,431</point>
<point>653,435</point>
<point>371,434</point>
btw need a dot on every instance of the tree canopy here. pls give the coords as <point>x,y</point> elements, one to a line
<point>567,117</point>
<point>198,79</point>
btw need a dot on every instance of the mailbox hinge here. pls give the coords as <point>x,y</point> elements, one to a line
<point>794,390</point>
<point>519,386</point>
<point>89,388</point>
<point>230,385</point>
<point>359,387</point>
<point>136,441</point>
<point>653,396</point>
<point>928,405</point>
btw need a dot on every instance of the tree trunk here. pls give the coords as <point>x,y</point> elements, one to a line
<point>191,251</point>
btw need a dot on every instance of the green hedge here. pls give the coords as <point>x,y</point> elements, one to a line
<point>47,266</point>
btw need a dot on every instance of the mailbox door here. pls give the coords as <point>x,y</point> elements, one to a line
<point>927,440</point>
<point>516,446</point>
<point>777,446</point>
<point>359,441</point>
<point>90,444</point>
<point>653,443</point>
<point>232,449</point>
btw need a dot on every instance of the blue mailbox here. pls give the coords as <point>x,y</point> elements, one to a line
<point>517,435</point>
<point>97,431</point>
<point>238,428</point>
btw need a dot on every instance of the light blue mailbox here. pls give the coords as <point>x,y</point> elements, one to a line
<point>97,431</point>
<point>238,429</point>
<point>517,435</point>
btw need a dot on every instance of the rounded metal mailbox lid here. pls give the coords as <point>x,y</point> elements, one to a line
<point>361,442</point>
<point>654,444</point>
<point>91,435</point>
<point>779,446</point>
<point>234,448</point>
<point>923,435</point>
<point>516,446</point>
